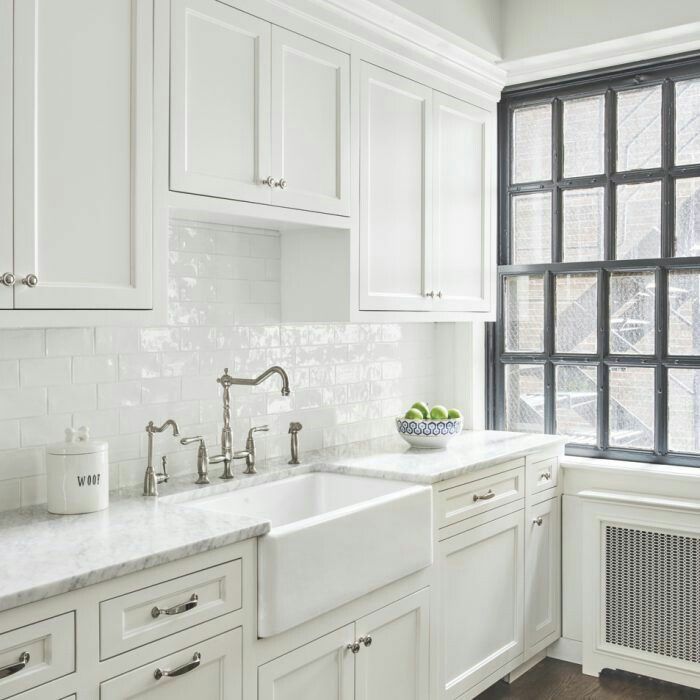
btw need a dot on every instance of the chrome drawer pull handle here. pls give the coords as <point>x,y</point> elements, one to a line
<point>486,497</point>
<point>538,521</point>
<point>176,609</point>
<point>10,670</point>
<point>354,647</point>
<point>366,640</point>
<point>546,476</point>
<point>180,670</point>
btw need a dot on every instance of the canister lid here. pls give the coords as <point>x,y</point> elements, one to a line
<point>77,442</point>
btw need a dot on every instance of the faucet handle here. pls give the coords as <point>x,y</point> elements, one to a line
<point>258,429</point>
<point>190,440</point>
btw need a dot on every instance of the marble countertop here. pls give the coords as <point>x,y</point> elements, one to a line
<point>53,554</point>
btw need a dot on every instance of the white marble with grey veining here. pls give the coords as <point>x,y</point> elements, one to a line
<point>47,554</point>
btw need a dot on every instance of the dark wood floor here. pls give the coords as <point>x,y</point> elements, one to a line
<point>559,680</point>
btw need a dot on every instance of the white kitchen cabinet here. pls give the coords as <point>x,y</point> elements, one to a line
<point>463,182</point>
<point>320,670</point>
<point>220,101</point>
<point>395,664</point>
<point>481,602</point>
<point>395,172</point>
<point>6,264</point>
<point>310,124</point>
<point>82,113</point>
<point>210,670</point>
<point>542,574</point>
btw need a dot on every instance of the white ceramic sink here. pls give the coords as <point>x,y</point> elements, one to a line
<point>334,538</point>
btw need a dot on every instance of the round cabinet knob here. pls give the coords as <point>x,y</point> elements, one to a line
<point>366,640</point>
<point>30,280</point>
<point>537,521</point>
<point>269,181</point>
<point>430,294</point>
<point>354,647</point>
<point>282,184</point>
<point>8,279</point>
<point>439,295</point>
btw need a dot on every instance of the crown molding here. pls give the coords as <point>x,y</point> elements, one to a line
<point>615,52</point>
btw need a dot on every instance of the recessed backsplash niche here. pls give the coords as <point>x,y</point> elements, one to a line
<point>348,380</point>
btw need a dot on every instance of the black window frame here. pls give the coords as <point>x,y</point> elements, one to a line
<point>665,72</point>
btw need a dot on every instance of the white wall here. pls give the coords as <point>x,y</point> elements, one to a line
<point>534,27</point>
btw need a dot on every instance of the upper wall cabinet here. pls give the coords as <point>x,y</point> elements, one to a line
<point>426,198</point>
<point>79,232</point>
<point>258,113</point>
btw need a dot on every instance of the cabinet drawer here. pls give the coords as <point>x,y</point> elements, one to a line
<point>131,620</point>
<point>466,500</point>
<point>542,475</point>
<point>37,653</point>
<point>211,670</point>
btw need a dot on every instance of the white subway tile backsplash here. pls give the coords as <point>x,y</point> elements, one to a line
<point>348,380</point>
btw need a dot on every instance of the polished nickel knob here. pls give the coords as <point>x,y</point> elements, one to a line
<point>269,181</point>
<point>430,294</point>
<point>537,521</point>
<point>366,640</point>
<point>8,279</point>
<point>439,295</point>
<point>281,183</point>
<point>354,647</point>
<point>30,280</point>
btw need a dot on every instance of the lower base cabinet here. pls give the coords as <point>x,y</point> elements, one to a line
<point>382,656</point>
<point>211,670</point>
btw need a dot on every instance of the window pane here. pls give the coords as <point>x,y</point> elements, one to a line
<point>584,136</point>
<point>684,312</point>
<point>687,122</point>
<point>577,406</point>
<point>532,228</point>
<point>523,310</point>
<point>575,313</point>
<point>684,410</point>
<point>632,299</point>
<point>532,143</point>
<point>638,230</point>
<point>631,410</point>
<point>582,224</point>
<point>687,236</point>
<point>524,398</point>
<point>639,128</point>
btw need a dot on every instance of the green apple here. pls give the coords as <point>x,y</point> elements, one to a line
<point>454,413</point>
<point>422,407</point>
<point>438,413</point>
<point>413,414</point>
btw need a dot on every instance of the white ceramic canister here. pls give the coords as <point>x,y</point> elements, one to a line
<point>77,474</point>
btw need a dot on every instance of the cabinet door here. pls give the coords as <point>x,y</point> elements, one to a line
<point>395,169</point>
<point>321,670</point>
<point>463,197</point>
<point>6,264</point>
<point>83,77</point>
<point>310,124</point>
<point>220,101</point>
<point>542,574</point>
<point>211,670</point>
<point>481,602</point>
<point>395,665</point>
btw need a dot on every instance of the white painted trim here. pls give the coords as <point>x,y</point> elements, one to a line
<point>565,649</point>
<point>614,52</point>
<point>632,468</point>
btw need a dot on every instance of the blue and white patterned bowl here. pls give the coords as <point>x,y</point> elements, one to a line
<point>428,434</point>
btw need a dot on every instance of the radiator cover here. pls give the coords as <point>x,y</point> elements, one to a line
<point>652,592</point>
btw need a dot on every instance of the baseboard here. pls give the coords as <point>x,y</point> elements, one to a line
<point>524,668</point>
<point>566,649</point>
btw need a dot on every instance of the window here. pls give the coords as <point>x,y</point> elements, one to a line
<point>598,329</point>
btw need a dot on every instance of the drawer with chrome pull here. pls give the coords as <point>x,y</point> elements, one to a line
<point>36,654</point>
<point>466,500</point>
<point>542,475</point>
<point>210,669</point>
<point>148,614</point>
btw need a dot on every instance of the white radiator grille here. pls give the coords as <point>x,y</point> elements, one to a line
<point>652,592</point>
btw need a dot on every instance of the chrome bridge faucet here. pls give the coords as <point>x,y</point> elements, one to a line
<point>227,455</point>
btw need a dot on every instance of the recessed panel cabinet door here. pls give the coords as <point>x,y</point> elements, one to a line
<point>462,204</point>
<point>310,124</point>
<point>320,670</point>
<point>83,88</point>
<point>395,664</point>
<point>395,172</point>
<point>211,670</point>
<point>542,573</point>
<point>220,101</point>
<point>481,599</point>
<point>6,263</point>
